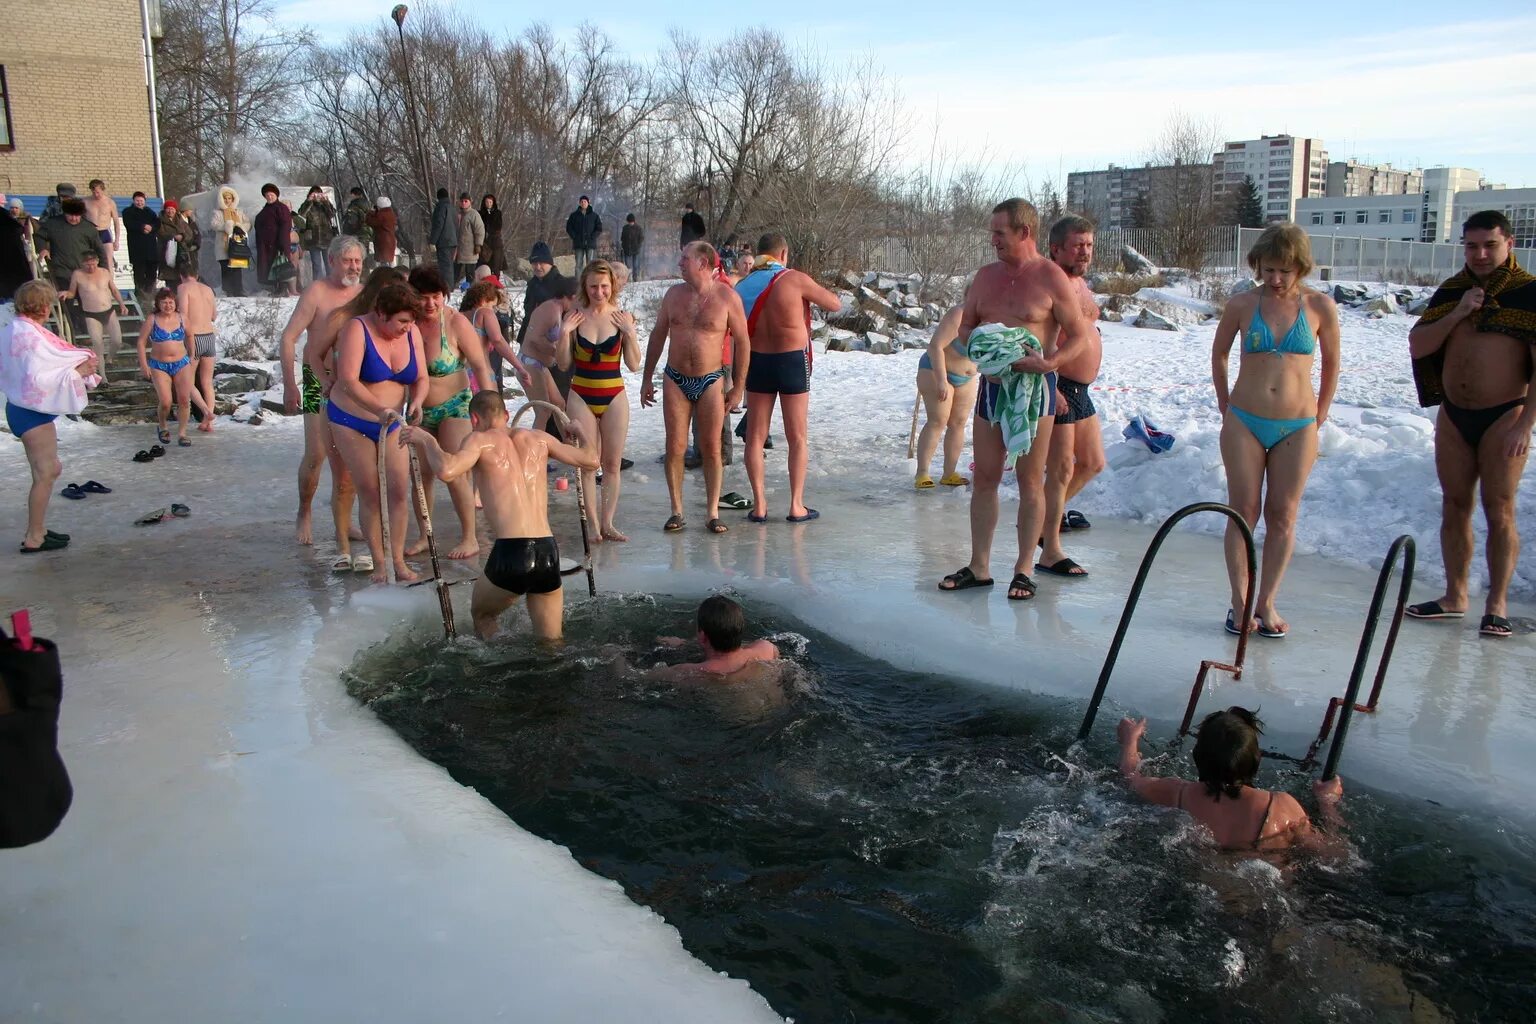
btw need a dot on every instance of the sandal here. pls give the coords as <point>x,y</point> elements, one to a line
<point>362,563</point>
<point>159,515</point>
<point>343,563</point>
<point>51,542</point>
<point>184,442</point>
<point>180,511</point>
<point>924,482</point>
<point>1492,625</point>
<point>674,524</point>
<point>716,526</point>
<point>963,580</point>
<point>163,436</point>
<point>73,492</point>
<point>753,517</point>
<point>1074,520</point>
<point>733,500</point>
<point>155,451</point>
<point>1432,610</point>
<point>92,487</point>
<point>1065,567</point>
<point>954,480</point>
<point>143,456</point>
<point>1021,582</point>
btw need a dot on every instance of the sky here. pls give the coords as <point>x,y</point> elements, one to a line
<point>1421,86</point>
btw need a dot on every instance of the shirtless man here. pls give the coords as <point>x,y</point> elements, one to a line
<point>1478,328</point>
<point>100,303</point>
<point>722,624</point>
<point>509,473</point>
<point>198,309</point>
<point>102,212</point>
<point>697,314</point>
<point>778,301</point>
<point>310,317</point>
<point>1021,289</point>
<point>1077,447</point>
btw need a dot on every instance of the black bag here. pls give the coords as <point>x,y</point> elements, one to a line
<point>35,792</point>
<point>239,250</point>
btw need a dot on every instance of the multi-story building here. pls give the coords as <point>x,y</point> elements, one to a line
<point>1392,217</point>
<point>1438,222</point>
<point>1110,196</point>
<point>76,107</point>
<point>1353,178</point>
<point>1518,204</point>
<point>1285,168</point>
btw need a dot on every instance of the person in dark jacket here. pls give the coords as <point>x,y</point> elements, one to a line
<point>692,227</point>
<point>62,243</point>
<point>583,226</point>
<point>140,224</point>
<point>319,216</point>
<point>35,792</point>
<point>385,224</point>
<point>272,226</point>
<point>631,239</point>
<point>493,253</point>
<point>15,264</point>
<point>443,235</point>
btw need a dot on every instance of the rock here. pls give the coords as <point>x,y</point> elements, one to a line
<point>838,334</point>
<point>894,297</point>
<point>1418,306</point>
<point>884,282</point>
<point>878,344</point>
<point>1403,296</point>
<point>873,302</point>
<point>848,280</point>
<point>1247,284</point>
<point>911,301</point>
<point>566,265</point>
<point>1154,321</point>
<point>1111,315</point>
<point>1134,262</point>
<point>1381,306</point>
<point>911,339</point>
<point>841,342</point>
<point>239,383</point>
<point>1175,274</point>
<point>934,310</point>
<point>856,322</point>
<point>1117,303</point>
<point>1348,293</point>
<point>912,317</point>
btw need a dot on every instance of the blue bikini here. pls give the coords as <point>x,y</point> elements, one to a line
<point>373,371</point>
<point>1298,341</point>
<point>157,333</point>
<point>956,380</point>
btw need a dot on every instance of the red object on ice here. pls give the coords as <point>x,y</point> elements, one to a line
<point>21,627</point>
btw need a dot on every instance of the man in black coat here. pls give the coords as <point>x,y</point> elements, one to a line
<point>631,239</point>
<point>141,225</point>
<point>443,235</point>
<point>583,225</point>
<point>692,228</point>
<point>15,267</point>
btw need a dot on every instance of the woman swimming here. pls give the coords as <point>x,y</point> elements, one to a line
<point>946,380</point>
<point>1271,417</point>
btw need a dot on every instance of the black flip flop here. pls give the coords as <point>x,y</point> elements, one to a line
<point>73,492</point>
<point>1495,626</point>
<point>1065,567</point>
<point>733,500</point>
<point>50,542</point>
<point>92,487</point>
<point>180,511</point>
<point>716,526</point>
<point>1431,610</point>
<point>964,580</point>
<point>674,524</point>
<point>1075,520</point>
<point>1022,582</point>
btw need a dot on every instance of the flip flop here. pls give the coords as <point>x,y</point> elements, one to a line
<point>362,563</point>
<point>1024,583</point>
<point>92,487</point>
<point>163,436</point>
<point>143,456</point>
<point>155,451</point>
<point>60,536</point>
<point>50,543</point>
<point>1492,625</point>
<point>159,515</point>
<point>1432,610</point>
<point>964,580</point>
<point>1267,631</point>
<point>924,482</point>
<point>716,526</point>
<point>625,464</point>
<point>73,492</point>
<point>1232,624</point>
<point>184,442</point>
<point>753,517</point>
<point>1065,567</point>
<point>810,514</point>
<point>954,480</point>
<point>180,511</point>
<point>1075,520</point>
<point>343,563</point>
<point>674,524</point>
<point>733,500</point>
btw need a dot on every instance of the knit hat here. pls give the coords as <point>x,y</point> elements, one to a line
<point>540,253</point>
<point>171,204</point>
<point>384,203</point>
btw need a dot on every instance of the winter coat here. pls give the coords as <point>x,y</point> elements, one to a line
<point>319,223</point>
<point>631,239</point>
<point>444,233</point>
<point>540,290</point>
<point>692,229</point>
<point>493,244</point>
<point>471,235</point>
<point>583,227</point>
<point>385,225</point>
<point>15,267</point>
<point>67,244</point>
<point>354,221</point>
<point>181,226</point>
<point>273,225</point>
<point>143,247</point>
<point>225,219</point>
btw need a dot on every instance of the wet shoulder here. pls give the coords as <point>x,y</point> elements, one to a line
<point>1286,818</point>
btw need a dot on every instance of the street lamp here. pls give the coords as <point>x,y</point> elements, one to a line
<point>398,14</point>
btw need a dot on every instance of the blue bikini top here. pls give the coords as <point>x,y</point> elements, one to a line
<point>158,333</point>
<point>375,369</point>
<point>1297,341</point>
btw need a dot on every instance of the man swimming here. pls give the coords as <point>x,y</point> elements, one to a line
<point>722,624</point>
<point>697,314</point>
<point>509,473</point>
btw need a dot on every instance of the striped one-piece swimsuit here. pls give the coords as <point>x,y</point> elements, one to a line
<point>597,377</point>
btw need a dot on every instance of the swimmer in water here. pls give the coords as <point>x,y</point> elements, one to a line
<point>1224,800</point>
<point>509,474</point>
<point>721,626</point>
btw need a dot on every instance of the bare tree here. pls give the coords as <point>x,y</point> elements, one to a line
<point>938,216</point>
<point>1181,204</point>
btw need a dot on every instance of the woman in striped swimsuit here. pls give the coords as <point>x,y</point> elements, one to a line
<point>595,338</point>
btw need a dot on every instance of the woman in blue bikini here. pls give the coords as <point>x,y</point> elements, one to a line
<point>380,369</point>
<point>1271,416</point>
<point>946,380</point>
<point>168,366</point>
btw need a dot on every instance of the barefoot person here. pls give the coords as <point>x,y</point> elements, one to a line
<point>697,314</point>
<point>509,473</point>
<point>1021,290</point>
<point>312,318</point>
<point>40,371</point>
<point>542,331</point>
<point>1077,447</point>
<point>94,287</point>
<point>167,364</point>
<point>197,304</point>
<point>379,371</point>
<point>946,382</point>
<point>1472,356</point>
<point>1271,418</point>
<point>595,338</point>
<point>778,303</point>
<point>102,212</point>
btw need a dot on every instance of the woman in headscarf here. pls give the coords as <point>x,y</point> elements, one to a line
<point>229,223</point>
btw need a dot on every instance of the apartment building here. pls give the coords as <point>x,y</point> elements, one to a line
<point>1390,217</point>
<point>1438,221</point>
<point>1110,196</point>
<point>1518,204</point>
<point>1284,167</point>
<point>1353,178</point>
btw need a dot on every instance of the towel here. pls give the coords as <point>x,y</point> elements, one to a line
<point>37,369</point>
<point>1509,307</point>
<point>1021,398</point>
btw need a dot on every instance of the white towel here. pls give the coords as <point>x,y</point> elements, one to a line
<point>37,369</point>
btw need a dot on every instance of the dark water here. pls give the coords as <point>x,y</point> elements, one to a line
<point>888,846</point>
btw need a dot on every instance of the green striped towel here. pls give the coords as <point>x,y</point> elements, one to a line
<point>1022,399</point>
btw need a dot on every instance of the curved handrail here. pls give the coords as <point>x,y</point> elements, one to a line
<point>581,497</point>
<point>1141,579</point>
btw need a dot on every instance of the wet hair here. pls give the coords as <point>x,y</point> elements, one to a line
<point>397,298</point>
<point>161,296</point>
<point>722,622</point>
<point>1283,245</point>
<point>75,207</point>
<point>487,404</point>
<point>1488,220</point>
<point>773,241</point>
<point>564,288</point>
<point>428,281</point>
<point>381,278</point>
<point>703,250</point>
<point>1071,224</point>
<point>1022,215</point>
<point>340,244</point>
<point>35,299</point>
<point>595,269</point>
<point>1227,751</point>
<point>480,293</point>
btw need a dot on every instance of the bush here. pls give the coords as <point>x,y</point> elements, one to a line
<point>1125,284</point>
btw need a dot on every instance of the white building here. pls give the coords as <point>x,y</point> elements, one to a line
<point>1518,204</point>
<point>1285,169</point>
<point>1353,178</point>
<point>1391,217</point>
<point>1437,221</point>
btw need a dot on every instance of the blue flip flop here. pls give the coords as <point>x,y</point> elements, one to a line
<point>753,517</point>
<point>810,514</point>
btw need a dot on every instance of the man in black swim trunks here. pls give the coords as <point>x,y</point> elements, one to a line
<point>1472,356</point>
<point>509,473</point>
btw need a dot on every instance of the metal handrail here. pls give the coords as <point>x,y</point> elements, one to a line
<point>1236,667</point>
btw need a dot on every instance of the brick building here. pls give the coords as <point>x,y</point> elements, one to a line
<point>74,97</point>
